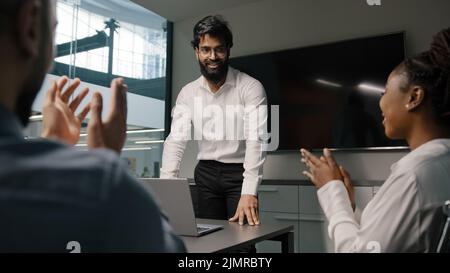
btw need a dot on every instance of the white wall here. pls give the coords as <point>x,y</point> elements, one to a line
<point>142,111</point>
<point>271,25</point>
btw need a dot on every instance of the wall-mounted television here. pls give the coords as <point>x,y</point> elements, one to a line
<point>328,94</point>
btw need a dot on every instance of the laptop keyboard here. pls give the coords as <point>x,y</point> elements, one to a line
<point>201,229</point>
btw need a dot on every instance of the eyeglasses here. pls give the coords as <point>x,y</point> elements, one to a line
<point>220,51</point>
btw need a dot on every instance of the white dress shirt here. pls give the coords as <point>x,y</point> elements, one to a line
<point>406,213</point>
<point>226,125</point>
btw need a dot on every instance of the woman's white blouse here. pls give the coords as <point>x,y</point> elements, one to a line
<point>406,213</point>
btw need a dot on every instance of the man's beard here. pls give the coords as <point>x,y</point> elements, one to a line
<point>32,84</point>
<point>214,75</point>
<point>28,94</point>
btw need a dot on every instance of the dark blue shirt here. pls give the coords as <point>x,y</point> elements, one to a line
<point>52,194</point>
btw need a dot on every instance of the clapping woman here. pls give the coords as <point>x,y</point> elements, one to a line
<point>405,215</point>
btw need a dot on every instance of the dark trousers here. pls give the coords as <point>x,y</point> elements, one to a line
<point>219,188</point>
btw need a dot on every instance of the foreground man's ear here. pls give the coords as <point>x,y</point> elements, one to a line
<point>28,27</point>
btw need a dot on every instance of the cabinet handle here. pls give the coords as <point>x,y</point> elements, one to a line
<point>311,219</point>
<point>271,189</point>
<point>286,218</point>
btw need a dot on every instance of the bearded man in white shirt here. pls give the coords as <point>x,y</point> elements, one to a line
<point>226,109</point>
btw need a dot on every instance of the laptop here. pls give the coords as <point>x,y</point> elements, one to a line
<point>175,200</point>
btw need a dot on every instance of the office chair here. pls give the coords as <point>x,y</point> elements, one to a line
<point>444,241</point>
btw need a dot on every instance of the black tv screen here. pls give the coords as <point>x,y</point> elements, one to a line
<point>328,94</point>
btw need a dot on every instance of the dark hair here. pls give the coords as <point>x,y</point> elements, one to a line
<point>431,70</point>
<point>8,10</point>
<point>215,26</point>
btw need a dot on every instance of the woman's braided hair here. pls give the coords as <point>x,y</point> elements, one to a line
<point>431,70</point>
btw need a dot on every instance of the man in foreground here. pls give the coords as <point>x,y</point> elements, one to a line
<point>53,197</point>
